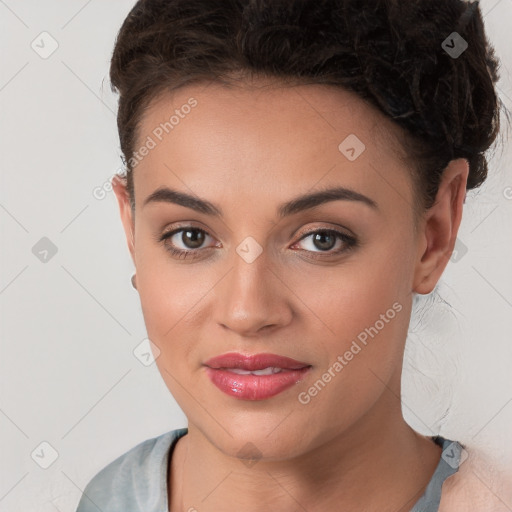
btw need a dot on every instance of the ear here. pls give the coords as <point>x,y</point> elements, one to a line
<point>440,226</point>
<point>123,199</point>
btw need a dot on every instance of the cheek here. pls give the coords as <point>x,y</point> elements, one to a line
<point>177,309</point>
<point>352,296</point>
<point>334,303</point>
<point>165,286</point>
<point>170,298</point>
<point>356,311</point>
<point>364,308</point>
<point>369,320</point>
<point>339,300</point>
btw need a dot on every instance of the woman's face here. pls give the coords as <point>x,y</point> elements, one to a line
<point>256,278</point>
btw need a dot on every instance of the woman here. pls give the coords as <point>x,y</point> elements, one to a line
<point>296,174</point>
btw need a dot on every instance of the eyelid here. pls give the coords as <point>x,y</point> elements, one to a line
<point>348,243</point>
<point>338,229</point>
<point>192,225</point>
<point>310,231</point>
<point>177,229</point>
<point>181,227</point>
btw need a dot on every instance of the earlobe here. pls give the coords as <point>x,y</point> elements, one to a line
<point>125,210</point>
<point>440,227</point>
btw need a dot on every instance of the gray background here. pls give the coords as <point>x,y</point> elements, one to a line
<point>70,321</point>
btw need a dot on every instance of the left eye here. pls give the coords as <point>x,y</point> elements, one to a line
<point>189,235</point>
<point>192,238</point>
<point>325,239</point>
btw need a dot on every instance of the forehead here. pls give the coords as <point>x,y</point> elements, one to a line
<point>280,140</point>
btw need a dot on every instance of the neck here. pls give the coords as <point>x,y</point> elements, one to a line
<point>379,463</point>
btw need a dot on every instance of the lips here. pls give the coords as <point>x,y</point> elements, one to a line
<point>254,377</point>
<point>254,362</point>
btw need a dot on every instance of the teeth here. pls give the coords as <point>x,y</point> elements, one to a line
<point>265,371</point>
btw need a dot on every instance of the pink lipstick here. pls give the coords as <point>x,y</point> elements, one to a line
<point>254,377</point>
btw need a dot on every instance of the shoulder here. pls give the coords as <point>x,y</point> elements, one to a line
<point>135,477</point>
<point>477,485</point>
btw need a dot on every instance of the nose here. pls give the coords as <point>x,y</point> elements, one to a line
<point>253,298</point>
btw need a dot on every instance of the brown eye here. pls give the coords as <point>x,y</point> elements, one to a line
<point>324,241</point>
<point>189,237</point>
<point>192,238</point>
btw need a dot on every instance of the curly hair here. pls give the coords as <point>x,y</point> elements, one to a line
<point>391,54</point>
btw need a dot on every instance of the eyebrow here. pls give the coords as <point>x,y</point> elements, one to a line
<point>296,205</point>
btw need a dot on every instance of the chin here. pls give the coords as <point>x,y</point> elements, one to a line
<point>261,440</point>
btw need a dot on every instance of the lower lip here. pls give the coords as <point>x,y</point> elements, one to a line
<point>254,387</point>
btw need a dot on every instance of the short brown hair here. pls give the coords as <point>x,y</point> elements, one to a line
<point>389,52</point>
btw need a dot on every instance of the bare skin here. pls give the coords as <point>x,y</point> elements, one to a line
<point>247,150</point>
<point>477,485</point>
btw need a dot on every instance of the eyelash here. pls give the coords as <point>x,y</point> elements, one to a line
<point>350,242</point>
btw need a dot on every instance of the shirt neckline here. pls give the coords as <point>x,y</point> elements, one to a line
<point>428,502</point>
<point>448,465</point>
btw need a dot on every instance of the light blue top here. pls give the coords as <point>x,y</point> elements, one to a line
<point>137,480</point>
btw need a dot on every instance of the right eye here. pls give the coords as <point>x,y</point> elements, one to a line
<point>187,235</point>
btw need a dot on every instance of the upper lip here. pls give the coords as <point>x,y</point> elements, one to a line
<point>254,362</point>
